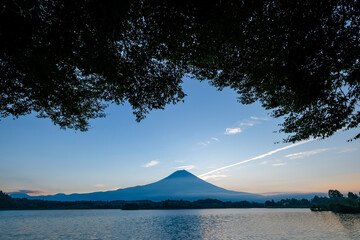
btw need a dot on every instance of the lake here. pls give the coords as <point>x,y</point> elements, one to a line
<point>178,224</point>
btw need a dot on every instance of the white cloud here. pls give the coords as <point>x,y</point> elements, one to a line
<point>264,162</point>
<point>213,139</point>
<point>257,157</point>
<point>214,177</point>
<point>278,164</point>
<point>151,163</point>
<point>204,144</point>
<point>247,123</point>
<point>230,131</point>
<point>99,185</point>
<point>306,154</point>
<point>347,150</point>
<point>259,118</point>
<point>186,167</point>
<point>253,121</point>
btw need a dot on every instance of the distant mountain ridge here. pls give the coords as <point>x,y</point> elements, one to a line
<point>180,185</point>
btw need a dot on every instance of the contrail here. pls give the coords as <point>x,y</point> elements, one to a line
<point>258,157</point>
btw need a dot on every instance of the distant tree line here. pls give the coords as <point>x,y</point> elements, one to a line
<point>336,202</point>
<point>9,203</point>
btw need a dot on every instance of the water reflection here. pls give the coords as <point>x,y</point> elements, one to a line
<point>173,225</point>
<point>351,224</point>
<point>178,224</point>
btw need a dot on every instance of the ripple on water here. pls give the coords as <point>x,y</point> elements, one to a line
<point>178,224</point>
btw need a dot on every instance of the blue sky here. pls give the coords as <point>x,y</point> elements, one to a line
<point>210,130</point>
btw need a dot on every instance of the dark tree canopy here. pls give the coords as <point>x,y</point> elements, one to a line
<point>335,194</point>
<point>66,60</point>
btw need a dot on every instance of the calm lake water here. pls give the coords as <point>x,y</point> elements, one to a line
<point>178,224</point>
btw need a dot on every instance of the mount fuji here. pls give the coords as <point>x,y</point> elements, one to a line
<point>180,185</point>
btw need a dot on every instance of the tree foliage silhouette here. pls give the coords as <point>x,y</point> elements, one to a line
<point>335,194</point>
<point>67,60</point>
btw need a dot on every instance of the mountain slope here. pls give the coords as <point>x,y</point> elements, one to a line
<point>181,185</point>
